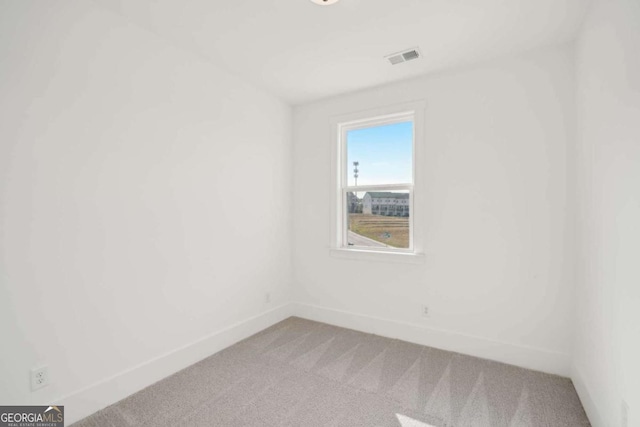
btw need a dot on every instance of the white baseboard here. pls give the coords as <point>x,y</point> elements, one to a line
<point>523,356</point>
<point>585,397</point>
<point>88,400</point>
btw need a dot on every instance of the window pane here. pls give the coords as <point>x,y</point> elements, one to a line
<point>380,155</point>
<point>378,219</point>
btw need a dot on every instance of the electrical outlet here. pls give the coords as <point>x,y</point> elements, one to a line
<point>625,415</point>
<point>425,311</point>
<point>39,377</point>
<point>267,298</point>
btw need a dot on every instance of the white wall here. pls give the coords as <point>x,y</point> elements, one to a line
<point>497,277</point>
<point>607,347</point>
<point>144,198</point>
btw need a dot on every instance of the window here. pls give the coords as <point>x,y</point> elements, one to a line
<point>376,169</point>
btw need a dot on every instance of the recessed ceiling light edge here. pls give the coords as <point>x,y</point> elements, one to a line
<point>325,2</point>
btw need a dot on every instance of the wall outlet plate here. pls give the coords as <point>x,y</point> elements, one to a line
<point>424,311</point>
<point>624,417</point>
<point>267,298</point>
<point>39,377</point>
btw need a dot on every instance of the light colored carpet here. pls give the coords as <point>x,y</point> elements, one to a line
<point>304,374</point>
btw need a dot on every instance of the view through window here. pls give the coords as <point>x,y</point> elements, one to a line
<point>378,184</point>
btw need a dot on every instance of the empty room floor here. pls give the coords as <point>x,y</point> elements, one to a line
<point>304,373</point>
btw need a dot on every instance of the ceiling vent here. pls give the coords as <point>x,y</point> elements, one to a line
<point>400,57</point>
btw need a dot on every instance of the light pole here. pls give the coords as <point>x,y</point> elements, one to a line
<point>355,171</point>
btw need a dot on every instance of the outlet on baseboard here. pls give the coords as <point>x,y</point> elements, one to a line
<point>624,418</point>
<point>39,377</point>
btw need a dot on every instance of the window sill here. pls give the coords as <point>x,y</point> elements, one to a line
<point>378,256</point>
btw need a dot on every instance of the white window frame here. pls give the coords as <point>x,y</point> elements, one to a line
<point>340,125</point>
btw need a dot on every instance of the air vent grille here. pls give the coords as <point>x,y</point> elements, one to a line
<point>400,57</point>
<point>412,54</point>
<point>397,59</point>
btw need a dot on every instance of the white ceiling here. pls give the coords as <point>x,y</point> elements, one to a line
<point>301,52</point>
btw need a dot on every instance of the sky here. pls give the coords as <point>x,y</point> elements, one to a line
<point>384,152</point>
